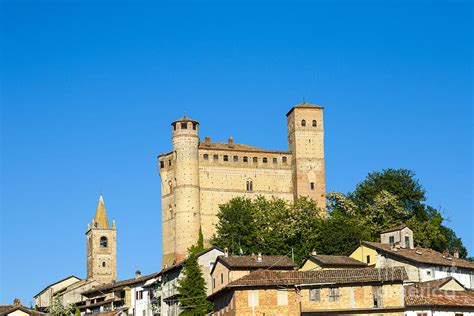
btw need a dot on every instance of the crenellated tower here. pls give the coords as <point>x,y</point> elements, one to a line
<point>186,210</point>
<point>101,247</point>
<point>306,143</point>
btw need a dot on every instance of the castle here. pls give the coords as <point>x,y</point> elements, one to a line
<point>197,176</point>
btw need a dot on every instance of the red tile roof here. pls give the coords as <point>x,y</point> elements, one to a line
<point>420,255</point>
<point>441,298</point>
<point>336,261</point>
<point>252,262</point>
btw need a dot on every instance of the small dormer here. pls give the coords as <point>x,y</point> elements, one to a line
<point>401,235</point>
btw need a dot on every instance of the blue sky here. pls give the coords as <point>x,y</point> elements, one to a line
<point>89,91</point>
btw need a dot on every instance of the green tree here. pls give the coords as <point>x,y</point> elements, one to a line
<point>192,289</point>
<point>194,249</point>
<point>58,309</point>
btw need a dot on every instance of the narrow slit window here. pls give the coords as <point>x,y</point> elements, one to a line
<point>315,124</point>
<point>226,158</point>
<point>303,123</point>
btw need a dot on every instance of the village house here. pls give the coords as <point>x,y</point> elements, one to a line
<point>171,275</point>
<point>322,262</point>
<point>44,298</point>
<point>132,296</point>
<point>16,309</point>
<point>397,249</point>
<point>230,268</point>
<point>317,292</point>
<point>442,297</point>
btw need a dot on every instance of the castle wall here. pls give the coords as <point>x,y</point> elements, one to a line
<point>220,180</point>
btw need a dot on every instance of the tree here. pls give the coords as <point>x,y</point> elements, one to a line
<point>192,289</point>
<point>194,249</point>
<point>58,309</point>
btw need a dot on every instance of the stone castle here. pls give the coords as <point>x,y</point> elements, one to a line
<point>197,176</point>
<point>101,247</point>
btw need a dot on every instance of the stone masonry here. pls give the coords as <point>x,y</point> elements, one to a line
<point>197,176</point>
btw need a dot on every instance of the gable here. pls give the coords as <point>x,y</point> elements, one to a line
<point>18,312</point>
<point>364,254</point>
<point>452,285</point>
<point>309,265</point>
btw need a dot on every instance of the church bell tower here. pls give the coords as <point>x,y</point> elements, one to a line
<point>101,247</point>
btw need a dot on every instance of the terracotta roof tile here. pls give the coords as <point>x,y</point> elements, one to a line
<point>117,285</point>
<point>340,276</point>
<point>336,261</point>
<point>441,298</point>
<point>251,262</point>
<point>421,255</point>
<point>393,229</point>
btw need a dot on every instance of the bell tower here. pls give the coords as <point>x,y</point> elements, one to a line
<point>306,143</point>
<point>101,247</point>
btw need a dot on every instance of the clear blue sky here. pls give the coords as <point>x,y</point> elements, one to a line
<point>89,91</point>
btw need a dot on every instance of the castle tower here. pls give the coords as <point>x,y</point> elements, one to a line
<point>101,247</point>
<point>306,143</point>
<point>186,208</point>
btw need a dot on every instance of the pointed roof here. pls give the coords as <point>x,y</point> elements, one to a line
<point>100,215</point>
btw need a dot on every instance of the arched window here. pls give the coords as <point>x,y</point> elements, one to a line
<point>303,123</point>
<point>103,242</point>
<point>315,123</point>
<point>206,157</point>
<point>103,264</point>
<point>216,157</point>
<point>249,185</point>
<point>255,159</point>
<point>184,125</point>
<point>284,159</point>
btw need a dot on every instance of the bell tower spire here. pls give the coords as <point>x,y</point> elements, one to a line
<point>100,219</point>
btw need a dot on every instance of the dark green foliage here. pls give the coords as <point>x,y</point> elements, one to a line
<point>194,249</point>
<point>383,200</point>
<point>192,289</point>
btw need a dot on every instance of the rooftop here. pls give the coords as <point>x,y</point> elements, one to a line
<point>420,255</point>
<point>394,229</point>
<point>336,261</point>
<point>236,147</point>
<point>441,298</point>
<point>252,262</point>
<point>118,285</point>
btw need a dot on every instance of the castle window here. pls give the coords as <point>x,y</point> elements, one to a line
<point>315,123</point>
<point>284,159</point>
<point>250,185</point>
<point>103,264</point>
<point>303,123</point>
<point>255,159</point>
<point>275,160</point>
<point>265,160</point>
<point>216,157</point>
<point>236,158</point>
<point>162,164</point>
<point>103,242</point>
<point>169,162</point>
<point>368,259</point>
<point>184,125</point>
<point>311,185</point>
<point>194,126</point>
<point>246,159</point>
<point>377,295</point>
<point>226,158</point>
<point>206,157</point>
<point>174,126</point>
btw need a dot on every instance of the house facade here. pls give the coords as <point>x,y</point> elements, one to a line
<point>319,292</point>
<point>421,264</point>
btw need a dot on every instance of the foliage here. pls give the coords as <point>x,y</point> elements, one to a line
<point>77,312</point>
<point>194,249</point>
<point>192,289</point>
<point>58,309</point>
<point>384,199</point>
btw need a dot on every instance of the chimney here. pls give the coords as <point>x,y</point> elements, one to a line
<point>17,302</point>
<point>456,253</point>
<point>226,252</point>
<point>231,142</point>
<point>259,257</point>
<point>138,274</point>
<point>314,253</point>
<point>207,140</point>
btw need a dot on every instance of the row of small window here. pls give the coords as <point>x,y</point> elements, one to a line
<point>244,158</point>
<point>315,124</point>
<point>162,163</point>
<point>139,295</point>
<point>184,125</point>
<point>333,296</point>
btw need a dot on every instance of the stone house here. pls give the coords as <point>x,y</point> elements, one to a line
<point>322,262</point>
<point>44,298</point>
<point>318,292</point>
<point>171,275</point>
<point>230,268</point>
<point>442,297</point>
<point>130,296</point>
<point>421,264</point>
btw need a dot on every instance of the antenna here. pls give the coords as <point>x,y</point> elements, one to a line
<point>304,101</point>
